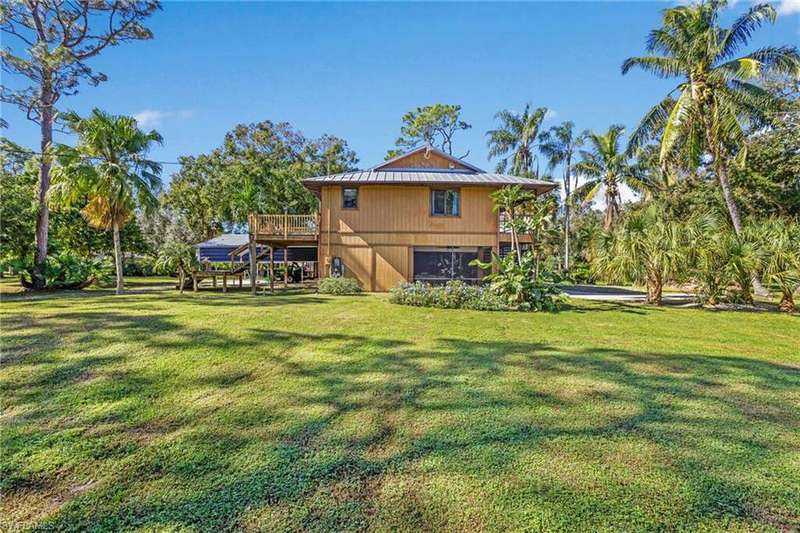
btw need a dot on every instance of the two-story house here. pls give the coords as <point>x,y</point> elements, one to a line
<point>423,215</point>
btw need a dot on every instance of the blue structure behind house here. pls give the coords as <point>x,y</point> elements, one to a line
<point>218,250</point>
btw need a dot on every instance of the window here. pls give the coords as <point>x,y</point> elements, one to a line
<point>438,265</point>
<point>349,198</point>
<point>445,203</point>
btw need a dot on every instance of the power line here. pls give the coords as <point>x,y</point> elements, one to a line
<point>33,153</point>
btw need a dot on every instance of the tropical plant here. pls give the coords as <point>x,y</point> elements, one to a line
<point>647,247</point>
<point>508,202</point>
<point>779,240</point>
<point>560,145</point>
<point>537,220</point>
<point>177,257</point>
<point>513,278</point>
<point>711,108</point>
<point>515,140</point>
<point>607,167</point>
<point>65,270</point>
<point>725,264</point>
<point>53,43</point>
<point>650,178</point>
<point>108,171</point>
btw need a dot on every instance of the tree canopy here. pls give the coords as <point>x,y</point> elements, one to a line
<point>434,124</point>
<point>258,168</point>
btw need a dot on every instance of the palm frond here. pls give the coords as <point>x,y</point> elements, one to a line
<point>651,124</point>
<point>742,29</point>
<point>675,125</point>
<point>663,67</point>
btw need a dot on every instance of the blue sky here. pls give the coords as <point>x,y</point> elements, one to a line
<point>352,69</point>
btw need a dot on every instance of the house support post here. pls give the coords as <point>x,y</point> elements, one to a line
<point>253,265</point>
<point>272,269</point>
<point>285,268</point>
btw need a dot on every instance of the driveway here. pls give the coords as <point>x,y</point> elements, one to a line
<point>622,294</point>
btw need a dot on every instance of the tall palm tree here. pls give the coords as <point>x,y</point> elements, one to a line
<point>710,109</point>
<point>559,145</point>
<point>108,170</point>
<point>514,141</point>
<point>607,167</point>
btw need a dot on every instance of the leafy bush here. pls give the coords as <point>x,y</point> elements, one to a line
<point>581,272</point>
<point>176,257</point>
<point>339,286</point>
<point>139,266</point>
<point>516,281</point>
<point>453,295</point>
<point>68,271</point>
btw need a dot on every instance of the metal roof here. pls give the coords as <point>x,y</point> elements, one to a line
<point>426,177</point>
<point>225,240</point>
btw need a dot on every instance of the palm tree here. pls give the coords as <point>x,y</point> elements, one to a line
<point>708,112</point>
<point>560,144</point>
<point>652,180</point>
<point>607,168</point>
<point>515,139</point>
<point>108,170</point>
<point>509,201</point>
<point>177,257</point>
<point>646,247</point>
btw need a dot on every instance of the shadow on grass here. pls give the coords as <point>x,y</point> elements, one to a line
<point>318,429</point>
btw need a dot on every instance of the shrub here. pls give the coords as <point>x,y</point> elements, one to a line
<point>67,270</point>
<point>453,295</point>
<point>339,286</point>
<point>139,266</point>
<point>519,285</point>
<point>176,257</point>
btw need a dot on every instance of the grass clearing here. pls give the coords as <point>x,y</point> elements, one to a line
<point>210,411</point>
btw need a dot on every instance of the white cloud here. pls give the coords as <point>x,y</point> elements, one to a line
<point>551,114</point>
<point>789,7</point>
<point>150,118</point>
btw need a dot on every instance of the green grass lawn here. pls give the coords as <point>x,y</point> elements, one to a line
<point>155,411</point>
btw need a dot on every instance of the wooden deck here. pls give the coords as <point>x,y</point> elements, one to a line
<point>284,230</point>
<point>280,231</point>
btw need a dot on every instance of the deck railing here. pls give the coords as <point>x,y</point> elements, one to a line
<point>284,225</point>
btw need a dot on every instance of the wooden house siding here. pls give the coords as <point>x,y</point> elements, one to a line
<point>423,160</point>
<point>376,240</point>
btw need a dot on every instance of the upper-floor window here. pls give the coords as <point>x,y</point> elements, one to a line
<point>445,202</point>
<point>349,198</point>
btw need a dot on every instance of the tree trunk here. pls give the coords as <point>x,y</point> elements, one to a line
<point>566,214</point>
<point>43,215</point>
<point>787,302</point>
<point>612,209</point>
<point>118,257</point>
<point>727,193</point>
<point>721,170</point>
<point>181,279</point>
<point>654,289</point>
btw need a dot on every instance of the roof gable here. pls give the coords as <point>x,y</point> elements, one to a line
<point>426,157</point>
